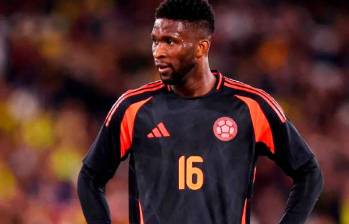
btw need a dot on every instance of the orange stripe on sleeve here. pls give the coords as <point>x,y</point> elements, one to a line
<point>254,174</point>
<point>147,88</point>
<point>140,213</point>
<point>261,125</point>
<point>243,217</point>
<point>272,103</point>
<point>127,126</point>
<point>152,84</point>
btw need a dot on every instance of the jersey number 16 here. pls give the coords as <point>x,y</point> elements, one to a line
<point>187,172</point>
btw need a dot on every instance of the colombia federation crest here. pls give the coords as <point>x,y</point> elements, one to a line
<point>225,129</point>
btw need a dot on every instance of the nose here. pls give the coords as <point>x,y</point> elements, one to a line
<point>158,51</point>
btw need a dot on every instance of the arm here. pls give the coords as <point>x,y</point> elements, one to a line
<point>91,191</point>
<point>111,146</point>
<point>295,158</point>
<point>99,166</point>
<point>278,139</point>
<point>307,186</point>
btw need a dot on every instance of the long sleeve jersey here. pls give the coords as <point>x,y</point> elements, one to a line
<point>193,160</point>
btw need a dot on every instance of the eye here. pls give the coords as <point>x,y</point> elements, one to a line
<point>155,42</point>
<point>169,41</point>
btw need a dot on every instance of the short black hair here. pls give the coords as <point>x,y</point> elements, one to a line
<point>195,11</point>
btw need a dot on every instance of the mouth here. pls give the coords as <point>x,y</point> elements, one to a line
<point>162,67</point>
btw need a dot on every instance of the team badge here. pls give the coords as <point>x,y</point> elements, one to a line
<point>225,128</point>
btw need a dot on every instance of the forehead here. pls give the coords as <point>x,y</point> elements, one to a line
<point>169,27</point>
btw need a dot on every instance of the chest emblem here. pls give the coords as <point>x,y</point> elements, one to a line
<point>225,129</point>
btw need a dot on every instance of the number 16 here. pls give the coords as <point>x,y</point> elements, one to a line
<point>186,172</point>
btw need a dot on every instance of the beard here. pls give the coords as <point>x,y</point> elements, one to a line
<point>177,77</point>
<point>174,79</point>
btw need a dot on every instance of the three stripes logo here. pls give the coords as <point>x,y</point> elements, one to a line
<point>159,131</point>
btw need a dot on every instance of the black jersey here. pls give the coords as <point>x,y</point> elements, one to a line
<point>192,160</point>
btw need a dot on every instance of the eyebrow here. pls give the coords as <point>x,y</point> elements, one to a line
<point>166,36</point>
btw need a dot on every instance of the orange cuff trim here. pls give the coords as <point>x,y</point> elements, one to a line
<point>127,126</point>
<point>262,130</point>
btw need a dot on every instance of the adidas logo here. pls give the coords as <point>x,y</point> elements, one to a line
<point>159,131</point>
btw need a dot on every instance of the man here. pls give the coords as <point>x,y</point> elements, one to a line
<point>194,137</point>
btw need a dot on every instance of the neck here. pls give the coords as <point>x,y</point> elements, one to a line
<point>198,82</point>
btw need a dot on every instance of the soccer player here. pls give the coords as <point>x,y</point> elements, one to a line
<point>193,137</point>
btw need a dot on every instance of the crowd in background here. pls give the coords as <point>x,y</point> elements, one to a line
<point>64,63</point>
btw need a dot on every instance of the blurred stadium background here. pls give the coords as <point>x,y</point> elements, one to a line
<point>63,64</point>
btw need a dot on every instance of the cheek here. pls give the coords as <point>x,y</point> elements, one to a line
<point>188,46</point>
<point>189,50</point>
<point>181,55</point>
<point>176,56</point>
<point>186,54</point>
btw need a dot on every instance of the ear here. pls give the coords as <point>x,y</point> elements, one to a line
<point>203,47</point>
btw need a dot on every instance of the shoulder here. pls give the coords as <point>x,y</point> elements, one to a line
<point>244,91</point>
<point>142,91</point>
<point>133,96</point>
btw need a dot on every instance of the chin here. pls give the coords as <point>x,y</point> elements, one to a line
<point>170,81</point>
<point>167,79</point>
<point>172,78</point>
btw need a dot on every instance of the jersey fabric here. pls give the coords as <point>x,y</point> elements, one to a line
<point>192,160</point>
